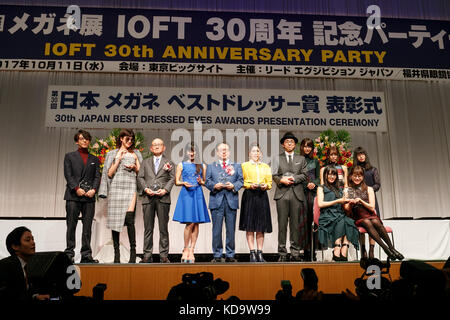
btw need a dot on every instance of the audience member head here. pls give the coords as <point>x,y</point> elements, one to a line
<point>20,242</point>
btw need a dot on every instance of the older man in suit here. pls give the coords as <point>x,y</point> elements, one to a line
<point>290,198</point>
<point>224,179</point>
<point>82,173</point>
<point>155,180</point>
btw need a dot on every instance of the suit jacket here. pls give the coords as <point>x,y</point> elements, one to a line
<point>75,171</point>
<point>147,177</point>
<point>212,178</point>
<point>105,180</point>
<point>298,169</point>
<point>12,281</point>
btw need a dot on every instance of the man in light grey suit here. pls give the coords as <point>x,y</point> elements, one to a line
<point>290,199</point>
<point>156,178</point>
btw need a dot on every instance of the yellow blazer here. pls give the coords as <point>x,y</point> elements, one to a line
<point>256,173</point>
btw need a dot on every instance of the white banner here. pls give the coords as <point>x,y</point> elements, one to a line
<point>170,108</point>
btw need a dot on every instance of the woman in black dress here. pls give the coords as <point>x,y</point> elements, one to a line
<point>310,188</point>
<point>371,179</point>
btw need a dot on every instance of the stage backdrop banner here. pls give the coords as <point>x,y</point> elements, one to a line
<point>170,108</point>
<point>222,43</point>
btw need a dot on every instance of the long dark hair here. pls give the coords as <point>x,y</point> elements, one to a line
<point>193,147</point>
<point>335,186</point>
<point>366,165</point>
<point>307,142</point>
<point>126,133</point>
<point>329,151</point>
<point>356,170</point>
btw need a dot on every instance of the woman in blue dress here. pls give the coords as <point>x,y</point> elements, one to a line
<point>191,206</point>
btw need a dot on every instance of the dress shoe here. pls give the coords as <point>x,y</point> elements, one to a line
<point>88,260</point>
<point>230,259</point>
<point>282,258</point>
<point>253,257</point>
<point>217,260</point>
<point>397,254</point>
<point>146,260</point>
<point>164,260</point>
<point>259,256</point>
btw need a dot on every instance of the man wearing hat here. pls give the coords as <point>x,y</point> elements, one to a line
<point>289,177</point>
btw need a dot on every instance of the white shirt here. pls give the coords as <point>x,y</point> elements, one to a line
<point>289,154</point>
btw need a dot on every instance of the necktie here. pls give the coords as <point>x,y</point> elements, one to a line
<point>224,165</point>
<point>156,165</point>
<point>290,159</point>
<point>25,269</point>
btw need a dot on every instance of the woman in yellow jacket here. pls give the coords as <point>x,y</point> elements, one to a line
<point>255,208</point>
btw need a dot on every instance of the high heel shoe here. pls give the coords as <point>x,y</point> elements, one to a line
<point>336,258</point>
<point>397,254</point>
<point>344,258</point>
<point>184,260</point>
<point>390,254</point>
<point>192,259</point>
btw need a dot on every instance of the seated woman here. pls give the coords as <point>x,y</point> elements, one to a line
<point>361,207</point>
<point>334,226</point>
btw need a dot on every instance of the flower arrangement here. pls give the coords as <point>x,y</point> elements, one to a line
<point>328,138</point>
<point>102,146</point>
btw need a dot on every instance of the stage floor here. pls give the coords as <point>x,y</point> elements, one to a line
<point>248,281</point>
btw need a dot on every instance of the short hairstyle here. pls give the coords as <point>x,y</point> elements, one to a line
<point>224,143</point>
<point>14,238</point>
<point>126,133</point>
<point>307,142</point>
<point>84,133</point>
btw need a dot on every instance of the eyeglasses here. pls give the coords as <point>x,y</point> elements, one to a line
<point>83,139</point>
<point>157,144</point>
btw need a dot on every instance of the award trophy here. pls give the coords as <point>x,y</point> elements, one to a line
<point>155,186</point>
<point>192,179</point>
<point>224,177</point>
<point>128,161</point>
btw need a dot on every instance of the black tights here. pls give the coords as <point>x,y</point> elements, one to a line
<point>377,232</point>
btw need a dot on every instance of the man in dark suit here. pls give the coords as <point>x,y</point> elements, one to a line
<point>14,284</point>
<point>224,179</point>
<point>82,173</point>
<point>289,196</point>
<point>155,181</point>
